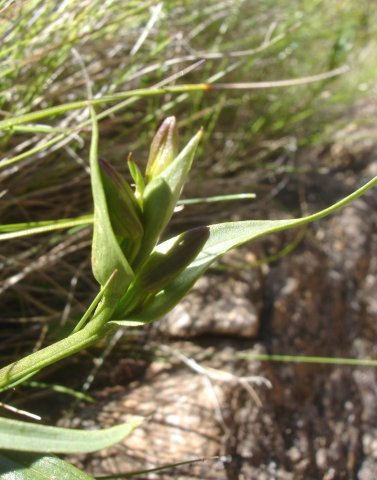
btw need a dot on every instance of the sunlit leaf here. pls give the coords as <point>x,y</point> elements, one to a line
<point>35,466</point>
<point>224,237</point>
<point>30,437</point>
<point>107,255</point>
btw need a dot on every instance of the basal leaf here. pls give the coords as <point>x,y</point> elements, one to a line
<point>35,466</point>
<point>29,437</point>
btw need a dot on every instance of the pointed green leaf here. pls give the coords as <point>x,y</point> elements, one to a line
<point>30,437</point>
<point>107,256</point>
<point>161,196</point>
<point>35,466</point>
<point>224,237</point>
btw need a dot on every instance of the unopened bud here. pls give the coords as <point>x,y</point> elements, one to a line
<point>161,196</point>
<point>164,148</point>
<point>161,268</point>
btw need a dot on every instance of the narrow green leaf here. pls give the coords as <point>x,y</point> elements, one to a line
<point>107,255</point>
<point>224,237</point>
<point>16,230</point>
<point>34,466</point>
<point>29,437</point>
<point>265,357</point>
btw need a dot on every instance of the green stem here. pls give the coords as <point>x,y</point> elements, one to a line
<point>336,206</point>
<point>59,350</point>
<point>69,106</point>
<point>356,362</point>
<point>16,230</point>
<point>154,91</point>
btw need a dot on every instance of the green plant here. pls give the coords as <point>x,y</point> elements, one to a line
<point>140,280</point>
<point>241,42</point>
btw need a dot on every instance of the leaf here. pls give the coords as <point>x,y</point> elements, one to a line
<point>107,255</point>
<point>35,466</point>
<point>160,268</point>
<point>29,437</point>
<point>222,238</point>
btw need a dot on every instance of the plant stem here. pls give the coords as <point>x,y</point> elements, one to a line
<point>355,362</point>
<point>34,362</point>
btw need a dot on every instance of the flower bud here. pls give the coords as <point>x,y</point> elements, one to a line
<point>164,148</point>
<point>161,195</point>
<point>162,267</point>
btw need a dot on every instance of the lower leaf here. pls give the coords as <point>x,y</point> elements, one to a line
<point>30,437</point>
<point>35,466</point>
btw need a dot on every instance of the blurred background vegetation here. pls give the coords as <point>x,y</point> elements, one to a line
<point>253,137</point>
